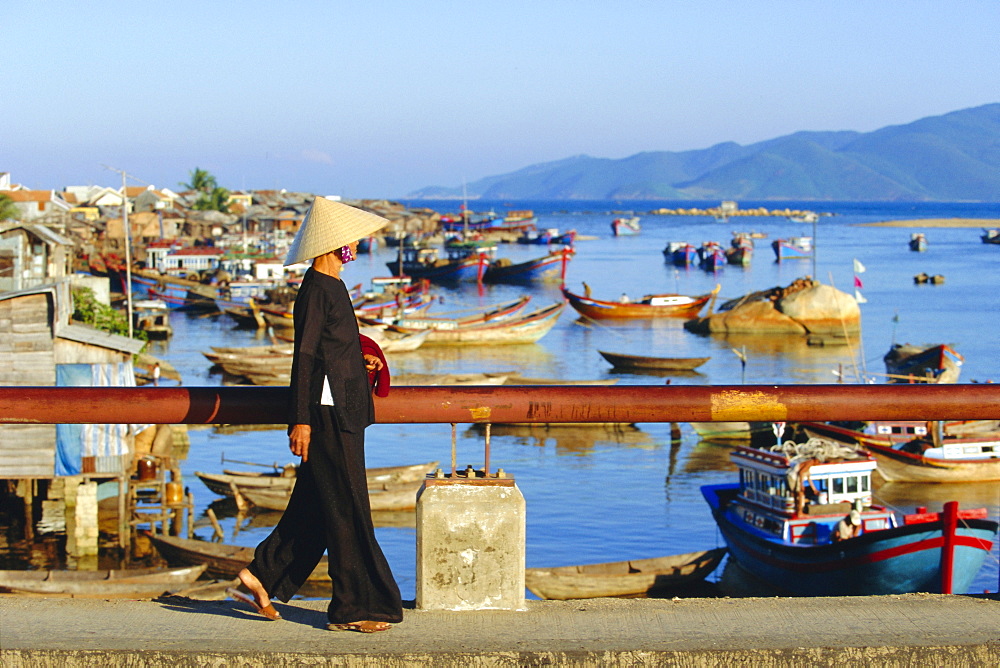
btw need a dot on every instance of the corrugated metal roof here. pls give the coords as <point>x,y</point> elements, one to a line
<point>95,337</point>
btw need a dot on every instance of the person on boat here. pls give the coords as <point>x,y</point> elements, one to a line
<point>624,299</point>
<point>798,479</point>
<point>848,527</point>
<point>330,407</point>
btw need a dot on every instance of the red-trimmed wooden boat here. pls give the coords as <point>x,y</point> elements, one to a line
<point>911,452</point>
<point>792,549</point>
<point>922,364</point>
<point>635,577</point>
<point>650,306</point>
<point>527,328</point>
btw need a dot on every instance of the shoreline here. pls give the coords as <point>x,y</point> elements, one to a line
<point>937,222</point>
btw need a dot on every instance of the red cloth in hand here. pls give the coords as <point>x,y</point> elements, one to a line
<point>378,379</point>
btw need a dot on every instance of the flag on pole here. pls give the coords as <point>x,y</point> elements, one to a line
<point>857,282</point>
<point>859,298</point>
<point>858,267</point>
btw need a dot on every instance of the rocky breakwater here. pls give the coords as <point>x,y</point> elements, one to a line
<point>806,307</point>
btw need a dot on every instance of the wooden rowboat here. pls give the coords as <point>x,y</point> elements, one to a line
<point>401,496</point>
<point>622,578</point>
<point>222,483</point>
<point>622,361</point>
<point>107,583</point>
<point>527,328</point>
<point>650,306</point>
<point>221,560</point>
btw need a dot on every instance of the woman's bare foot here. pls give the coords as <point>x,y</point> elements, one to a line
<point>260,601</point>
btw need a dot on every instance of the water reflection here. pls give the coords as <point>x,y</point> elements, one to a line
<point>446,359</point>
<point>570,439</point>
<point>709,456</point>
<point>906,496</point>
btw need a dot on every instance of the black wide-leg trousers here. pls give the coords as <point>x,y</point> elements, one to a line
<point>329,511</point>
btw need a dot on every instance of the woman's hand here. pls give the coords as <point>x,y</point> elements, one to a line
<point>298,441</point>
<point>373,363</point>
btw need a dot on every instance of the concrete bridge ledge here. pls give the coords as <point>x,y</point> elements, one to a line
<point>887,631</point>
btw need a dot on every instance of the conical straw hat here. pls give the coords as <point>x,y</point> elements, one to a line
<point>328,226</point>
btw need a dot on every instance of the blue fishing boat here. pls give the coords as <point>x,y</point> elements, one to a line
<point>681,253</point>
<point>711,256</point>
<point>551,267</point>
<point>785,522</point>
<point>462,263</point>
<point>918,242</point>
<point>792,248</point>
<point>547,236</point>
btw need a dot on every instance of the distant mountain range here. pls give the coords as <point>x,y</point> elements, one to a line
<point>953,157</point>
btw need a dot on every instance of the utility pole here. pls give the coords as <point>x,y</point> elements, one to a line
<point>128,249</point>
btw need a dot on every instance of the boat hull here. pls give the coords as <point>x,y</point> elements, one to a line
<point>604,310</point>
<point>624,578</point>
<point>901,466</point>
<point>899,560</point>
<point>622,361</point>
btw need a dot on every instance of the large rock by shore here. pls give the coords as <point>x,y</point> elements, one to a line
<point>804,307</point>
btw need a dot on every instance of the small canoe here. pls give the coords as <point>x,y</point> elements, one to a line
<point>221,560</point>
<point>402,496</point>
<point>107,583</point>
<point>622,361</point>
<point>622,578</point>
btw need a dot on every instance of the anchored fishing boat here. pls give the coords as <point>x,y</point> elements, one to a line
<point>922,451</point>
<point>928,364</point>
<point>106,583</point>
<point>792,248</point>
<point>628,226</point>
<point>551,267</point>
<point>681,253</point>
<point>635,577</point>
<point>623,361</point>
<point>650,306</point>
<point>783,522</point>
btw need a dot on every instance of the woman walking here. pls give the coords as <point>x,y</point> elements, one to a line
<point>331,405</point>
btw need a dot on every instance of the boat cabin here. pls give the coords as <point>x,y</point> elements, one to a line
<point>666,300</point>
<point>766,500</point>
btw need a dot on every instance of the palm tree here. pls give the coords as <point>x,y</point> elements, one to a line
<point>201,180</point>
<point>8,209</point>
<point>215,200</point>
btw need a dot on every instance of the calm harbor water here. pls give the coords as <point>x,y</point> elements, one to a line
<point>599,494</point>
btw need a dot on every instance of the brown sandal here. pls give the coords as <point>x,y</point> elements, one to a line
<point>364,626</point>
<point>267,610</point>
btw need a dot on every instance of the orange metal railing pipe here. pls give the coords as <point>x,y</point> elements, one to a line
<point>467,404</point>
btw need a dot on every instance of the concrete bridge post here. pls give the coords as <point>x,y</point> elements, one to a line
<point>470,543</point>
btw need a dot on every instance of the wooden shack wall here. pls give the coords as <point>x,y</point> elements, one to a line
<point>27,357</point>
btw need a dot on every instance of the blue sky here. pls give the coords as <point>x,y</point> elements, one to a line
<point>377,99</point>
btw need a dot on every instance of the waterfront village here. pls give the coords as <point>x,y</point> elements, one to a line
<point>65,256</point>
